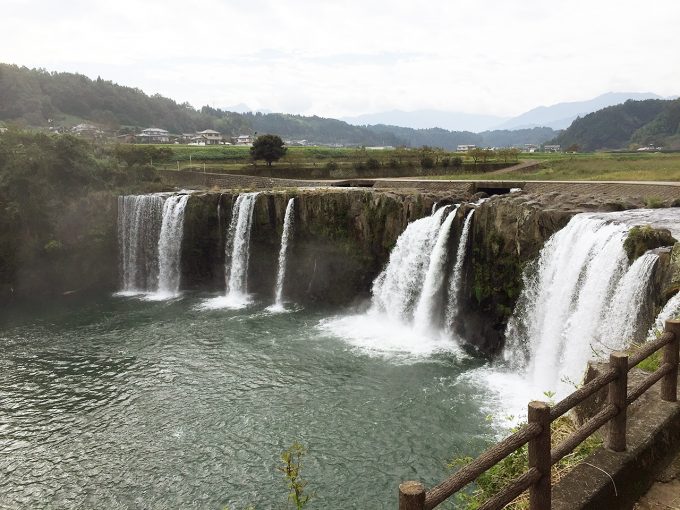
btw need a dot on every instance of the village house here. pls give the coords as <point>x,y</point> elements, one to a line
<point>153,135</point>
<point>87,131</point>
<point>243,140</point>
<point>465,147</point>
<point>209,137</point>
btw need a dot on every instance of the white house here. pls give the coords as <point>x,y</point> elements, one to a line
<point>465,147</point>
<point>154,135</point>
<point>87,130</point>
<point>244,140</point>
<point>209,137</point>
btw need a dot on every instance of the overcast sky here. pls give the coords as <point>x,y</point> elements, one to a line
<point>347,57</point>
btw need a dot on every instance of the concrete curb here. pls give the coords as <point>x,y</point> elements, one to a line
<point>610,480</point>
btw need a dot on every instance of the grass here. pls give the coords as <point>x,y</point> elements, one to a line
<point>592,167</point>
<point>517,463</point>
<point>582,167</point>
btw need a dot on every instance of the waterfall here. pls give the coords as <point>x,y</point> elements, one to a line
<point>397,289</point>
<point>150,230</point>
<point>283,253</point>
<point>407,306</point>
<point>170,245</point>
<point>580,280</point>
<point>139,219</point>
<point>625,321</point>
<point>671,310</point>
<point>238,244</point>
<point>427,310</point>
<point>456,278</point>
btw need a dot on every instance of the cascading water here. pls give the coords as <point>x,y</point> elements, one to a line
<point>150,230</point>
<point>170,245</point>
<point>283,253</point>
<point>139,220</point>
<point>408,305</point>
<point>572,295</point>
<point>397,289</point>
<point>629,313</point>
<point>671,310</point>
<point>456,279</point>
<point>237,255</point>
<point>428,307</point>
<point>238,244</point>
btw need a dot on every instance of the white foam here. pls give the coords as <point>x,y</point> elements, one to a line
<point>232,301</point>
<point>375,333</point>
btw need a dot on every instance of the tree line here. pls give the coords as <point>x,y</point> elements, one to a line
<point>38,98</point>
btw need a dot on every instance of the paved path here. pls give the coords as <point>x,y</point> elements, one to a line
<point>527,164</point>
<point>665,493</point>
<point>613,190</point>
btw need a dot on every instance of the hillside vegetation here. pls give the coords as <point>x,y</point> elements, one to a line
<point>628,125</point>
<point>38,98</point>
<point>57,212</point>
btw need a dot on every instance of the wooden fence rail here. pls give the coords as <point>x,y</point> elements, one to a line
<point>536,433</point>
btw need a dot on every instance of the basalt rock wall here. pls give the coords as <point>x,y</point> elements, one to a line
<point>341,240</point>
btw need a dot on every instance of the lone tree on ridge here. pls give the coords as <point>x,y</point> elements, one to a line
<point>268,147</point>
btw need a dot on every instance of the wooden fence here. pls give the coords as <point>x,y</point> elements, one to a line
<point>413,496</point>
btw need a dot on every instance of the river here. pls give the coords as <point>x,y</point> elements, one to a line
<point>119,402</point>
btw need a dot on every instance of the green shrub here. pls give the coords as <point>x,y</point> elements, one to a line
<point>331,166</point>
<point>291,468</point>
<point>653,202</point>
<point>517,463</point>
<point>372,164</point>
<point>427,162</point>
<point>643,238</point>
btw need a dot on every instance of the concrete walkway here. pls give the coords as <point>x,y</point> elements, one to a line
<point>527,164</point>
<point>665,493</point>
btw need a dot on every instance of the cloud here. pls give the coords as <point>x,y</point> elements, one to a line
<point>348,57</point>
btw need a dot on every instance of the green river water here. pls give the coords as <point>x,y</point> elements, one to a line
<point>124,403</point>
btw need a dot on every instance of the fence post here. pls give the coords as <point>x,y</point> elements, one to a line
<point>539,456</point>
<point>618,392</point>
<point>669,384</point>
<point>411,496</point>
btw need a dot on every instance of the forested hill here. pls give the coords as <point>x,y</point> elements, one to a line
<point>34,97</point>
<point>629,125</point>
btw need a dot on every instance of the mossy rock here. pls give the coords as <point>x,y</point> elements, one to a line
<point>643,238</point>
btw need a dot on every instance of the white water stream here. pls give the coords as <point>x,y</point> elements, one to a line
<point>237,255</point>
<point>283,255</point>
<point>456,280</point>
<point>169,246</point>
<point>407,316</point>
<point>150,231</point>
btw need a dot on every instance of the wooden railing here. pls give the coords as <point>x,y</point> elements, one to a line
<point>413,496</point>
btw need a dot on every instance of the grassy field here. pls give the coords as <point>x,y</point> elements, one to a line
<point>591,167</point>
<point>584,166</point>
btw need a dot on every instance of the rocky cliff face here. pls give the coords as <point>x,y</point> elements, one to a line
<point>341,240</point>
<point>78,254</point>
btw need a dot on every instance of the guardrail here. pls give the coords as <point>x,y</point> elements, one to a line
<point>413,496</point>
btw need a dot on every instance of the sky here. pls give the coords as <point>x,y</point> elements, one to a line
<point>348,57</point>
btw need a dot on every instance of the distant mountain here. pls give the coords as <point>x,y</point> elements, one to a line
<point>450,140</point>
<point>627,125</point>
<point>561,115</point>
<point>243,108</point>
<point>424,119</point>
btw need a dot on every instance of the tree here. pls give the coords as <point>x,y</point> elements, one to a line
<point>268,147</point>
